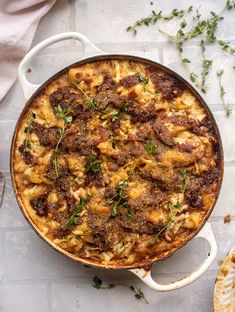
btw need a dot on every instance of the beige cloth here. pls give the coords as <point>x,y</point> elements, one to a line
<point>18,23</point>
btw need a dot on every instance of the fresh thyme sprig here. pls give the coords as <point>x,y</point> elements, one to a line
<point>88,101</point>
<point>74,218</point>
<point>138,293</point>
<point>227,109</point>
<point>156,16</point>
<point>179,41</point>
<point>55,153</point>
<point>92,164</point>
<point>125,107</point>
<point>120,198</point>
<point>173,207</point>
<point>184,174</point>
<point>28,130</point>
<point>206,28</point>
<point>61,113</point>
<point>173,212</point>
<point>206,66</point>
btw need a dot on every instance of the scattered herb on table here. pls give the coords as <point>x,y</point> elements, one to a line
<point>138,293</point>
<point>28,130</point>
<point>98,284</point>
<point>206,66</point>
<point>92,164</point>
<point>74,218</point>
<point>150,148</point>
<point>227,109</point>
<point>156,16</point>
<point>179,41</point>
<point>204,27</point>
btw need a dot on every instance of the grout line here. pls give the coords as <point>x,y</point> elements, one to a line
<point>4,252</point>
<point>72,23</point>
<point>87,279</point>
<point>221,218</point>
<point>152,43</point>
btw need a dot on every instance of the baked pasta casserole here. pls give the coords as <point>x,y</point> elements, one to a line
<point>116,162</point>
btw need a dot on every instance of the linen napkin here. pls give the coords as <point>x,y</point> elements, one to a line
<point>18,23</point>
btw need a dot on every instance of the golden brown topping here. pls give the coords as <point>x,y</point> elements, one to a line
<point>119,163</point>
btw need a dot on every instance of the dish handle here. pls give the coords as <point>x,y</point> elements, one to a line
<point>206,234</point>
<point>89,50</point>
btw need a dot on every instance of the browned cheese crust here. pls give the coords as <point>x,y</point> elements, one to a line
<point>116,162</point>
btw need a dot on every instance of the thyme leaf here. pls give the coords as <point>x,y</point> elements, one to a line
<point>230,4</point>
<point>92,164</point>
<point>113,139</point>
<point>143,79</point>
<point>184,175</point>
<point>115,117</point>
<point>185,60</point>
<point>63,113</point>
<point>114,210</point>
<point>150,148</point>
<point>28,130</point>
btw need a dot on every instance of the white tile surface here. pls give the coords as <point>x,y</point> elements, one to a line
<point>10,214</point>
<point>224,235</point>
<point>23,298</point>
<point>81,296</point>
<point>33,277</point>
